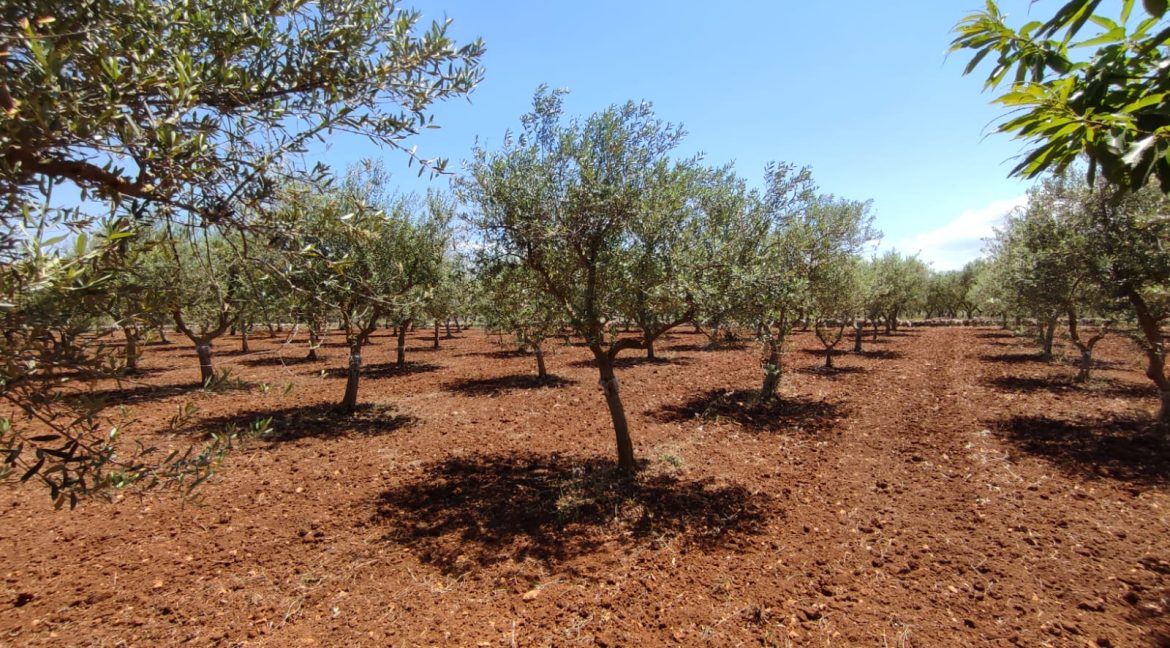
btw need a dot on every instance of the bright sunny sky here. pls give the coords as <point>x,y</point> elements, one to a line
<point>862,92</point>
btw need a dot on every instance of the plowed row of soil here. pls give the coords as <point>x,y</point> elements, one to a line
<point>943,488</point>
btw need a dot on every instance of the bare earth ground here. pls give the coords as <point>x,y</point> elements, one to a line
<point>944,489</point>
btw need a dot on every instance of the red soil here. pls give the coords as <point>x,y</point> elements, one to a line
<point>944,489</point>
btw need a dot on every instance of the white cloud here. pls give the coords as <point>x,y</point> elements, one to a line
<point>960,240</point>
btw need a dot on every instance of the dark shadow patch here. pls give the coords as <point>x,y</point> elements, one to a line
<point>1014,358</point>
<point>137,374</point>
<point>820,353</point>
<point>1031,384</point>
<point>497,355</point>
<point>314,421</point>
<point>785,414</point>
<point>1075,361</point>
<point>632,361</point>
<point>1000,335</point>
<point>504,384</point>
<point>707,347</point>
<point>278,361</point>
<point>385,370</point>
<point>882,354</point>
<point>467,512</point>
<point>131,394</point>
<point>1125,449</point>
<point>833,372</point>
<point>1111,388</point>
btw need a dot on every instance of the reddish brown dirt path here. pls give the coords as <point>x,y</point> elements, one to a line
<point>944,488</point>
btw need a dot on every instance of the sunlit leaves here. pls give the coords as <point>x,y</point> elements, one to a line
<point>1102,96</point>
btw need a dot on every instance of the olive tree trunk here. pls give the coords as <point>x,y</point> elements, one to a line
<point>617,412</point>
<point>401,360</point>
<point>353,377</point>
<point>541,371</point>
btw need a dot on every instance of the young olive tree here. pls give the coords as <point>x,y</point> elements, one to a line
<point>774,289</point>
<point>513,300</point>
<point>832,233</point>
<point>734,224</point>
<point>570,201</point>
<point>898,287</point>
<point>357,249</point>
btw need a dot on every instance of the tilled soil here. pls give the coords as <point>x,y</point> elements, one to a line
<point>944,488</point>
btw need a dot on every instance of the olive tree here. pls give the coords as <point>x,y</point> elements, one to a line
<point>360,251</point>
<point>568,200</point>
<point>186,112</point>
<point>513,300</point>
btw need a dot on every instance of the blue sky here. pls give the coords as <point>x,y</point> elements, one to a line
<point>860,91</point>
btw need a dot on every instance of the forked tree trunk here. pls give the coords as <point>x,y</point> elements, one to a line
<point>1084,346</point>
<point>447,325</point>
<point>402,343</point>
<point>458,326</point>
<point>353,376</point>
<point>541,372</point>
<point>613,399</point>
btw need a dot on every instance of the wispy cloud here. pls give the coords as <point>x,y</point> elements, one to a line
<point>960,240</point>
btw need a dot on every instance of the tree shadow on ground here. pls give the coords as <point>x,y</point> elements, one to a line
<point>833,372</point>
<point>820,353</point>
<point>278,361</point>
<point>1074,361</point>
<point>1014,358</point>
<point>1112,388</point>
<point>1104,387</point>
<point>322,421</point>
<point>466,512</point>
<point>707,347</point>
<point>787,413</point>
<point>998,335</point>
<point>882,354</point>
<point>130,395</point>
<point>504,384</point>
<point>385,370</point>
<point>1031,384</point>
<point>626,362</point>
<point>497,355</point>
<point>1122,448</point>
